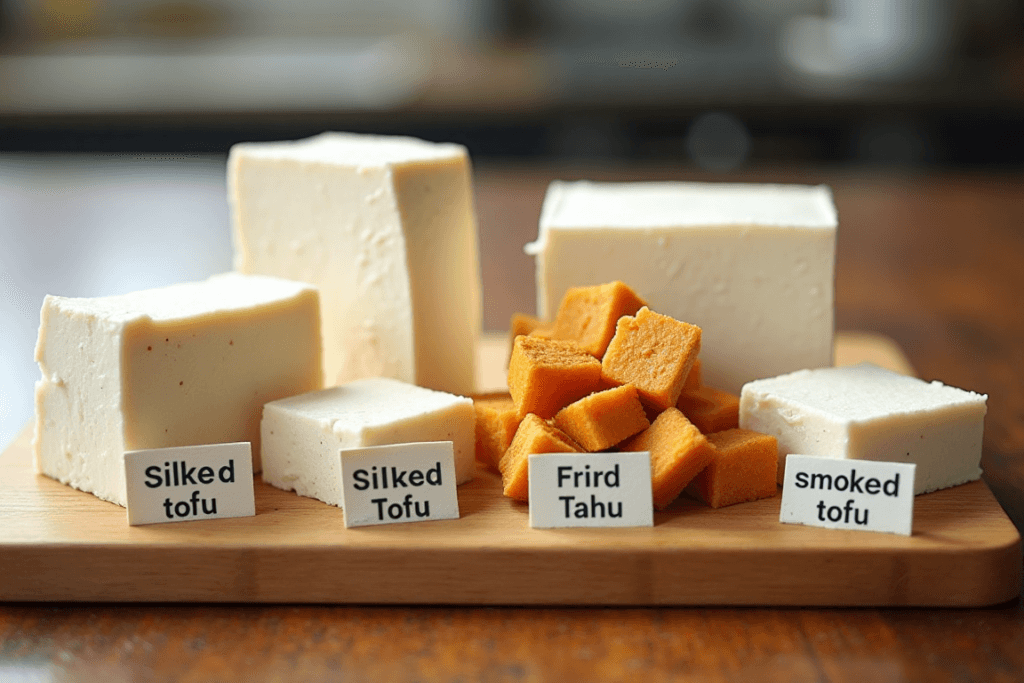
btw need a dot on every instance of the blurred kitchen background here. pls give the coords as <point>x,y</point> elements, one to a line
<point>116,115</point>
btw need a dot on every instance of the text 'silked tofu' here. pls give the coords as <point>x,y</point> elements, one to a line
<point>751,265</point>
<point>183,365</point>
<point>385,227</point>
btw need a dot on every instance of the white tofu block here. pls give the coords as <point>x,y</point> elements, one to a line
<point>752,265</point>
<point>182,365</point>
<point>867,413</point>
<point>303,435</point>
<point>385,227</point>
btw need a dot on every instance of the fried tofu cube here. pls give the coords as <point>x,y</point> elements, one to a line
<point>654,353</point>
<point>742,468</point>
<point>496,423</point>
<point>678,453</point>
<point>545,375</point>
<point>588,315</point>
<point>695,378</point>
<point>533,436</point>
<point>712,410</point>
<point>603,419</point>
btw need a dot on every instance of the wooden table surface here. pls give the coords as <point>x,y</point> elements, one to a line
<point>935,261</point>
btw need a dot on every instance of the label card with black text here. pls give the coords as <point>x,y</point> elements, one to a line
<point>408,482</point>
<point>864,495</point>
<point>187,483</point>
<point>590,490</point>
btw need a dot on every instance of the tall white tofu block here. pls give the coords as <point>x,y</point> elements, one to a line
<point>303,435</point>
<point>385,227</point>
<point>752,265</point>
<point>182,365</point>
<point>867,413</point>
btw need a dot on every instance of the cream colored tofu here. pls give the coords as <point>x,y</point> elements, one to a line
<point>385,228</point>
<point>867,413</point>
<point>182,365</point>
<point>303,435</point>
<point>752,265</point>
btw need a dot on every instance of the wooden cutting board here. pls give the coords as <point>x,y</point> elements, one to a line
<point>60,544</point>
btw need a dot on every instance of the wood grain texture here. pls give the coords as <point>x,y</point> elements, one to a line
<point>62,544</point>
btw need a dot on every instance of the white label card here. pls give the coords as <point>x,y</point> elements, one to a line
<point>408,482</point>
<point>187,483</point>
<point>848,494</point>
<point>590,489</point>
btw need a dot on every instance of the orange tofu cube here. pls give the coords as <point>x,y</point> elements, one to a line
<point>654,353</point>
<point>545,375</point>
<point>695,379</point>
<point>742,468</point>
<point>603,419</point>
<point>587,315</point>
<point>678,453</point>
<point>533,436</point>
<point>712,410</point>
<point>496,423</point>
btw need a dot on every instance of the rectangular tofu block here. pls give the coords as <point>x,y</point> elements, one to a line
<point>182,365</point>
<point>751,265</point>
<point>867,413</point>
<point>385,227</point>
<point>302,435</point>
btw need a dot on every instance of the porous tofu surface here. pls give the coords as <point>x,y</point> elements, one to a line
<point>604,418</point>
<point>654,353</point>
<point>712,410</point>
<point>742,468</point>
<point>545,375</point>
<point>866,412</point>
<point>496,423</point>
<point>533,436</point>
<point>588,315</point>
<point>678,453</point>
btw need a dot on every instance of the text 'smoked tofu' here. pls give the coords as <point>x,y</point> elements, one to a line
<point>867,413</point>
<point>303,435</point>
<point>385,227</point>
<point>183,365</point>
<point>751,265</point>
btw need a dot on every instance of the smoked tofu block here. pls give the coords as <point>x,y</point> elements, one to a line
<point>603,419</point>
<point>182,365</point>
<point>752,265</point>
<point>533,436</point>
<point>742,468</point>
<point>385,227</point>
<point>678,453</point>
<point>303,435</point>
<point>654,353</point>
<point>710,409</point>
<point>867,413</point>
<point>545,375</point>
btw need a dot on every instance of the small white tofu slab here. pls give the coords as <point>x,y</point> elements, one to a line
<point>183,365</point>
<point>867,413</point>
<point>752,265</point>
<point>303,435</point>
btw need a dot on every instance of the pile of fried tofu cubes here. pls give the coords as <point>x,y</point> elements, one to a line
<point>610,374</point>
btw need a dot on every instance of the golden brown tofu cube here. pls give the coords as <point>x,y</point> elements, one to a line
<point>678,453</point>
<point>545,375</point>
<point>743,467</point>
<point>654,353</point>
<point>533,436</point>
<point>695,379</point>
<point>603,419</point>
<point>496,423</point>
<point>588,315</point>
<point>712,410</point>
